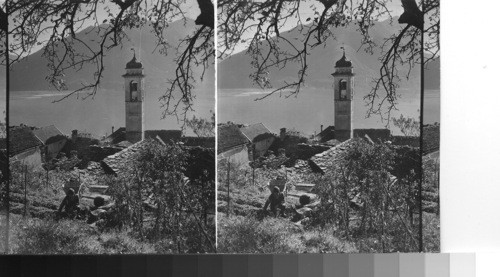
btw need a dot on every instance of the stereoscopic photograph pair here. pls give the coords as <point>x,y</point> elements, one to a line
<point>182,126</point>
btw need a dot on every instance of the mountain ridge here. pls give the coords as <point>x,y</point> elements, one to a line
<point>235,70</point>
<point>157,67</point>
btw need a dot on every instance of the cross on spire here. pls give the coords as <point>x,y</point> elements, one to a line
<point>133,50</point>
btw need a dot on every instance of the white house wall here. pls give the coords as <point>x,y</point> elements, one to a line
<point>32,157</point>
<point>54,148</point>
<point>238,154</point>
<point>262,146</point>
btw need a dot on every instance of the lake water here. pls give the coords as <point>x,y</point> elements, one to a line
<point>97,115</point>
<point>312,108</point>
<point>304,113</point>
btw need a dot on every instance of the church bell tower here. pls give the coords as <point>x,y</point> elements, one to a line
<point>343,95</point>
<point>133,100</point>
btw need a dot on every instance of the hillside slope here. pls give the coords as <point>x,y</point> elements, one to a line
<point>234,71</point>
<point>157,67</point>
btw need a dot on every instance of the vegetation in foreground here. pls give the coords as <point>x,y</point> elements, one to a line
<point>153,209</point>
<point>367,202</point>
<point>238,234</point>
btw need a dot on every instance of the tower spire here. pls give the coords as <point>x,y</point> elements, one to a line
<point>134,100</point>
<point>343,62</point>
<point>343,96</point>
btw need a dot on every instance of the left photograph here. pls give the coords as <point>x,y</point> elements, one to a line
<point>3,126</point>
<point>111,127</point>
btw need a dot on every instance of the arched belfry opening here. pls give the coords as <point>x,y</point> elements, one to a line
<point>343,94</point>
<point>343,89</point>
<point>134,79</point>
<point>134,94</point>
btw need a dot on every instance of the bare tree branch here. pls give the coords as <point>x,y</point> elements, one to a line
<point>262,21</point>
<point>55,24</point>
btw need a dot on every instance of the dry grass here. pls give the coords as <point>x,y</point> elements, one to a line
<point>35,236</point>
<point>275,235</point>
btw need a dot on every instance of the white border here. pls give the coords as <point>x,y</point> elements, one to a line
<point>470,136</point>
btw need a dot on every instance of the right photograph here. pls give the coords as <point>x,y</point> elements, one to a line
<point>328,126</point>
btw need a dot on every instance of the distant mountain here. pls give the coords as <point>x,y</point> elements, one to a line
<point>30,73</point>
<point>234,71</point>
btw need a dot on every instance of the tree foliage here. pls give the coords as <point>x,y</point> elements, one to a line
<point>409,126</point>
<point>55,24</point>
<point>362,196</point>
<point>155,198</point>
<point>259,24</point>
<point>202,127</point>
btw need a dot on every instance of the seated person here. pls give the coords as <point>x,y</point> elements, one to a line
<point>69,204</point>
<point>276,200</point>
<point>97,210</point>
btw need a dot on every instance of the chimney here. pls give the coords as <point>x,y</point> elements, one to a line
<point>113,129</point>
<point>321,128</point>
<point>282,134</point>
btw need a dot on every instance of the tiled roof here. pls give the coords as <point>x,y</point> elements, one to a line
<point>324,161</point>
<point>117,136</point>
<point>117,162</point>
<point>206,142</point>
<point>406,140</point>
<point>229,136</point>
<point>21,139</point>
<point>327,134</point>
<point>376,135</point>
<point>124,144</point>
<point>167,136</point>
<point>45,133</point>
<point>301,167</point>
<point>94,169</point>
<point>254,131</point>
